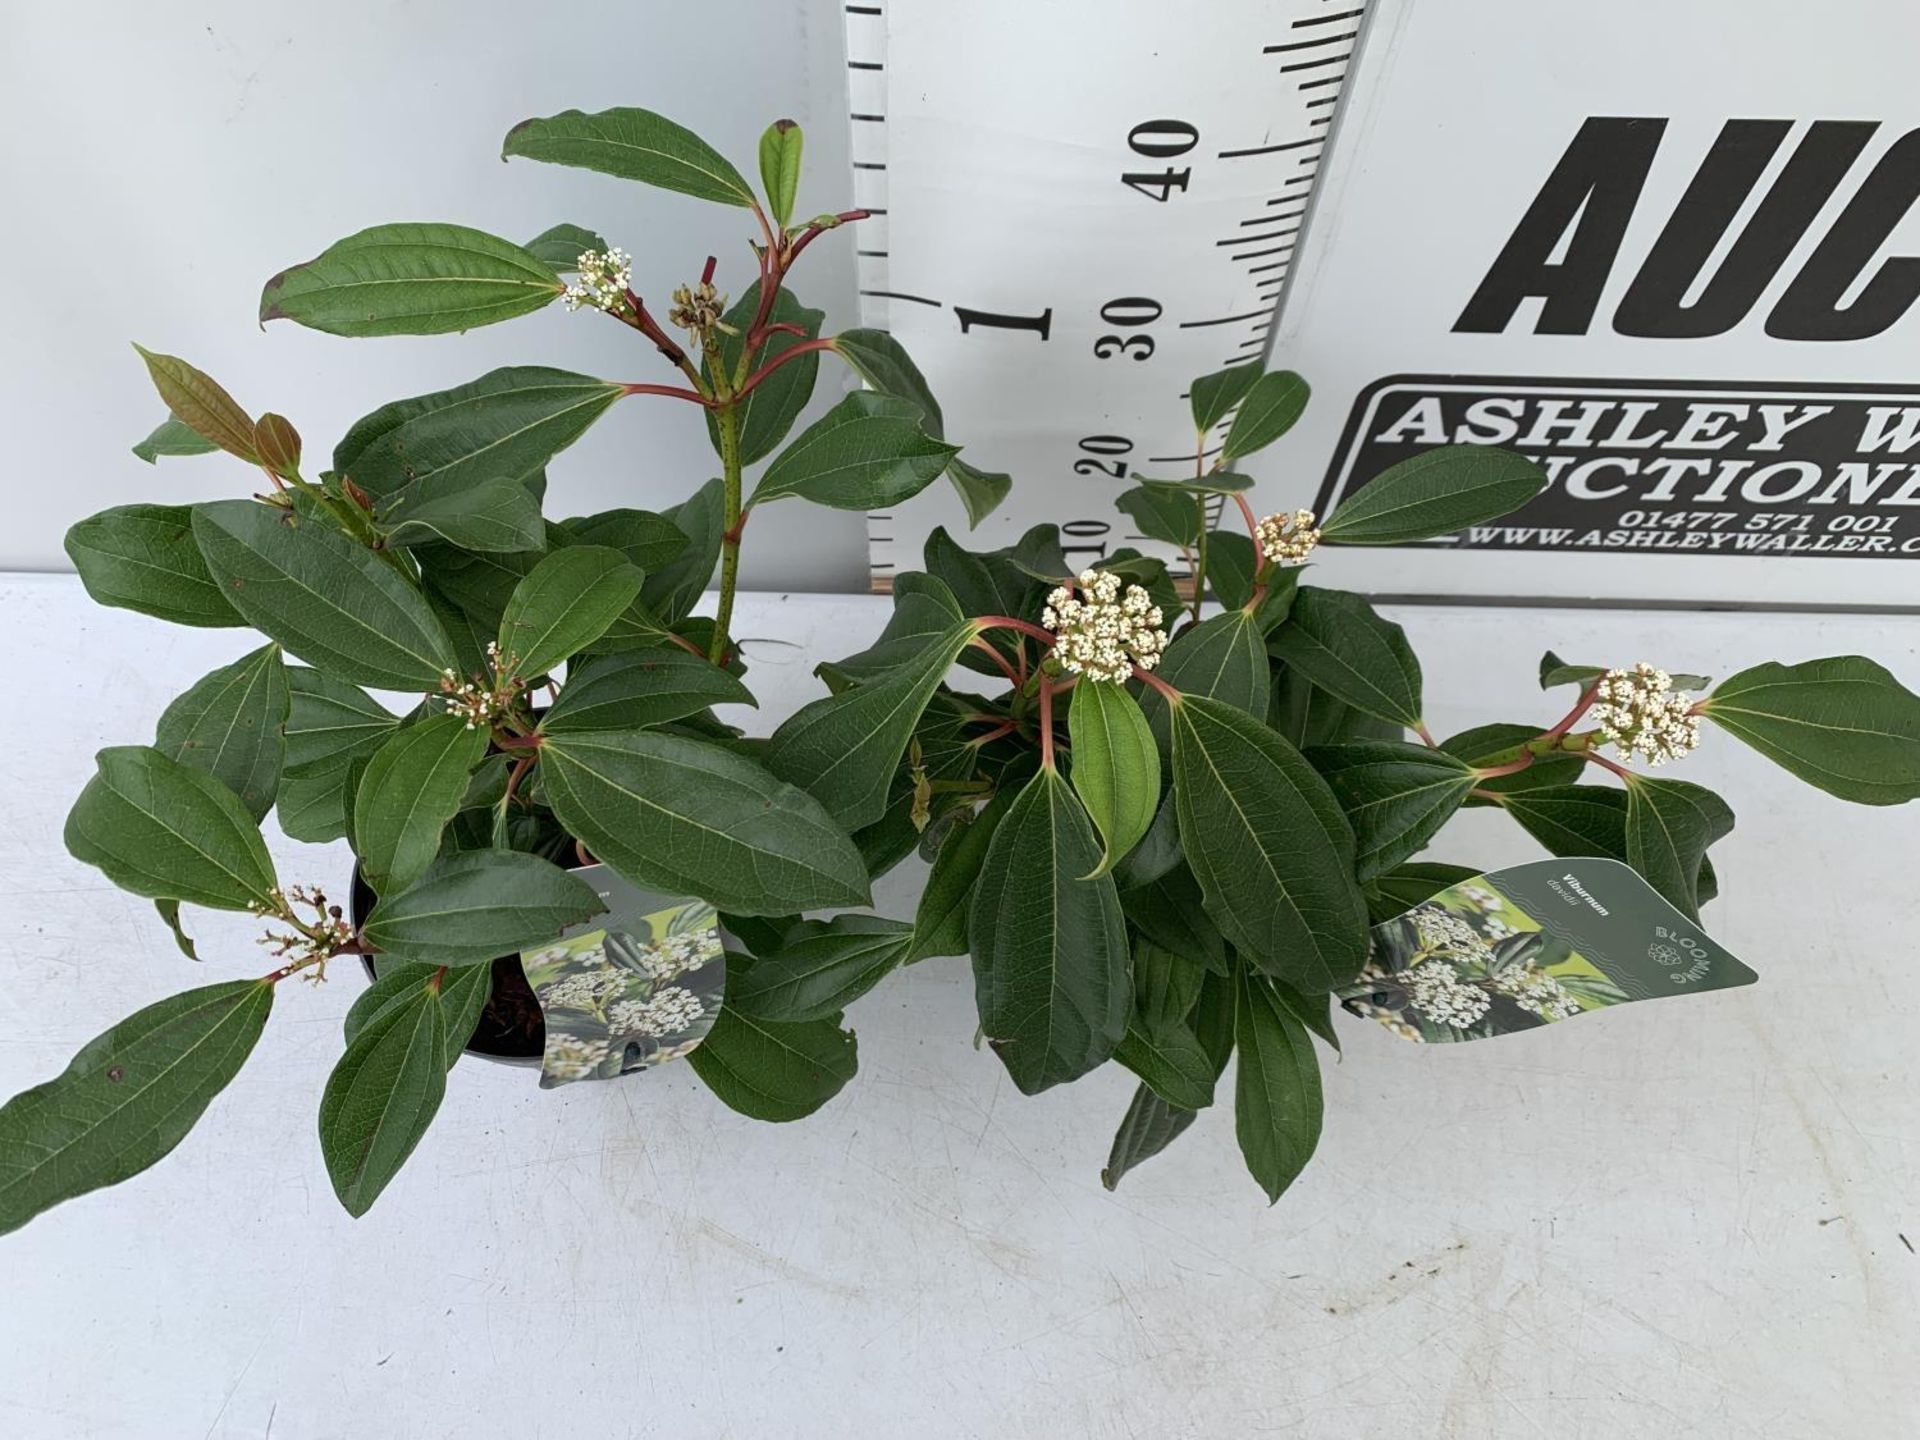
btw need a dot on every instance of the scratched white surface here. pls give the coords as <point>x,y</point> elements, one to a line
<point>1671,1221</point>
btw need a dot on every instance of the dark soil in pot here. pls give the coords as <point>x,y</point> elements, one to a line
<point>511,1027</point>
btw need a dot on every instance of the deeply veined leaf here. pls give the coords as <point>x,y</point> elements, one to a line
<point>1268,843</point>
<point>1400,889</point>
<point>382,1096</point>
<point>144,558</point>
<point>1489,746</point>
<point>478,905</point>
<point>1340,643</point>
<point>331,722</point>
<point>1169,1061</point>
<point>1272,404</point>
<point>772,1071</point>
<point>229,725</point>
<point>507,425</point>
<point>780,151</point>
<point>1115,767</point>
<point>1277,1105</point>
<point>474,515</point>
<point>866,453</point>
<point>1573,819</point>
<point>1843,724</point>
<point>1050,954</point>
<point>173,436</point>
<point>1555,671</point>
<point>562,245</point>
<point>940,923</point>
<point>980,491</point>
<point>923,609</point>
<point>880,360</point>
<point>648,540</point>
<point>671,590</point>
<point>843,749</point>
<point>463,992</point>
<point>633,145</point>
<point>640,688</point>
<point>694,818</point>
<point>1212,396</point>
<point>1222,658</point>
<point>565,604</point>
<point>821,970</point>
<point>1396,796</point>
<point>1434,494</point>
<point>202,404</point>
<point>1231,566</point>
<point>411,280</point>
<point>327,599</point>
<point>767,412</point>
<point>1148,1127</point>
<point>169,832</point>
<point>1670,824</point>
<point>1171,912</point>
<point>411,787</point>
<point>127,1098</point>
<point>1162,512</point>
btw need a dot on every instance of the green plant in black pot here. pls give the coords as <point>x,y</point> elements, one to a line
<point>1159,830</point>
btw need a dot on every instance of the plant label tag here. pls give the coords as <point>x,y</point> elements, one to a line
<point>1529,945</point>
<point>634,987</point>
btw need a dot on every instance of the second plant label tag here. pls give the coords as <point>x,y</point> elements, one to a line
<point>633,987</point>
<point>1530,945</point>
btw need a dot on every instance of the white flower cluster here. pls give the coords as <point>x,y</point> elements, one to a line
<point>1537,991</point>
<point>604,276</point>
<point>1440,931</point>
<point>1435,989</point>
<point>666,1012</point>
<point>574,1057</point>
<point>1639,712</point>
<point>582,991</point>
<point>1287,539</point>
<point>1101,633</point>
<point>677,954</point>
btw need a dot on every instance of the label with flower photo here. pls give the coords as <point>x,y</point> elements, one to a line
<point>633,987</point>
<point>1529,945</point>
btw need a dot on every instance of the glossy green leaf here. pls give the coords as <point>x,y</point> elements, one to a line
<point>821,969</point>
<point>884,364</point>
<point>768,411</point>
<point>478,515</point>
<point>980,491</point>
<point>507,425</point>
<point>1222,658</point>
<point>1269,846</point>
<point>1213,396</point>
<point>866,453</point>
<point>330,722</point>
<point>1307,715</point>
<point>169,832</point>
<point>923,610</point>
<point>313,807</point>
<point>229,725</point>
<point>780,151</point>
<point>410,280</point>
<point>1400,889</point>
<point>1171,1062</point>
<point>382,1096</point>
<point>127,1098</point>
<point>144,558</point>
<point>640,688</point>
<point>772,1071</point>
<point>411,788</point>
<point>462,992</point>
<point>1272,404</point>
<point>202,404</point>
<point>649,541</point>
<point>671,590</point>
<point>694,818</point>
<point>1487,746</point>
<point>562,246</point>
<point>327,599</point>
<point>1115,767</point>
<point>940,923</point>
<point>1277,1104</point>
<point>1050,954</point>
<point>843,749</point>
<point>1340,643</point>
<point>1148,1127</point>
<point>1170,911</point>
<point>1396,796</point>
<point>1843,724</point>
<point>565,604</point>
<point>633,145</point>
<point>173,436</point>
<point>1434,494</point>
<point>1573,820</point>
<point>1555,671</point>
<point>478,905</point>
<point>1231,566</point>
<point>993,583</point>
<point>1163,513</point>
<point>1670,824</point>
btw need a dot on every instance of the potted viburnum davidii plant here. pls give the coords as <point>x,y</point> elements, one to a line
<point>1159,823</point>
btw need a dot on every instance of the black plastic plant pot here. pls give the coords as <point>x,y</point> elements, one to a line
<point>511,1028</point>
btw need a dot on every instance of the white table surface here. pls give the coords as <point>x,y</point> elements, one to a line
<point>1669,1221</point>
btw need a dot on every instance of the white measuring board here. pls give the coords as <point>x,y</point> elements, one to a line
<point>1080,205</point>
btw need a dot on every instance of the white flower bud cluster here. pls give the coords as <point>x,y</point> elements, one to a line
<point>574,1057</point>
<point>1537,991</point>
<point>1100,633</point>
<point>1640,713</point>
<point>582,991</point>
<point>677,954</point>
<point>697,310</point>
<point>1287,539</point>
<point>315,942</point>
<point>666,1012</point>
<point>604,276</point>
<point>1435,989</point>
<point>1449,933</point>
<point>476,703</point>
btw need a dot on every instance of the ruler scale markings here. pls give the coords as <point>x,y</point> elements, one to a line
<point>1308,44</point>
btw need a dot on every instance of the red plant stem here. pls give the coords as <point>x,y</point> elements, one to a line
<point>1007,622</point>
<point>687,645</point>
<point>1046,723</point>
<point>1606,764</point>
<point>1253,525</point>
<point>520,742</point>
<point>517,774</point>
<point>790,353</point>
<point>1512,767</point>
<point>1154,682</point>
<point>677,392</point>
<point>782,328</point>
<point>1572,717</point>
<point>713,264</point>
<point>1426,735</point>
<point>845,217</point>
<point>1005,727</point>
<point>1006,668</point>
